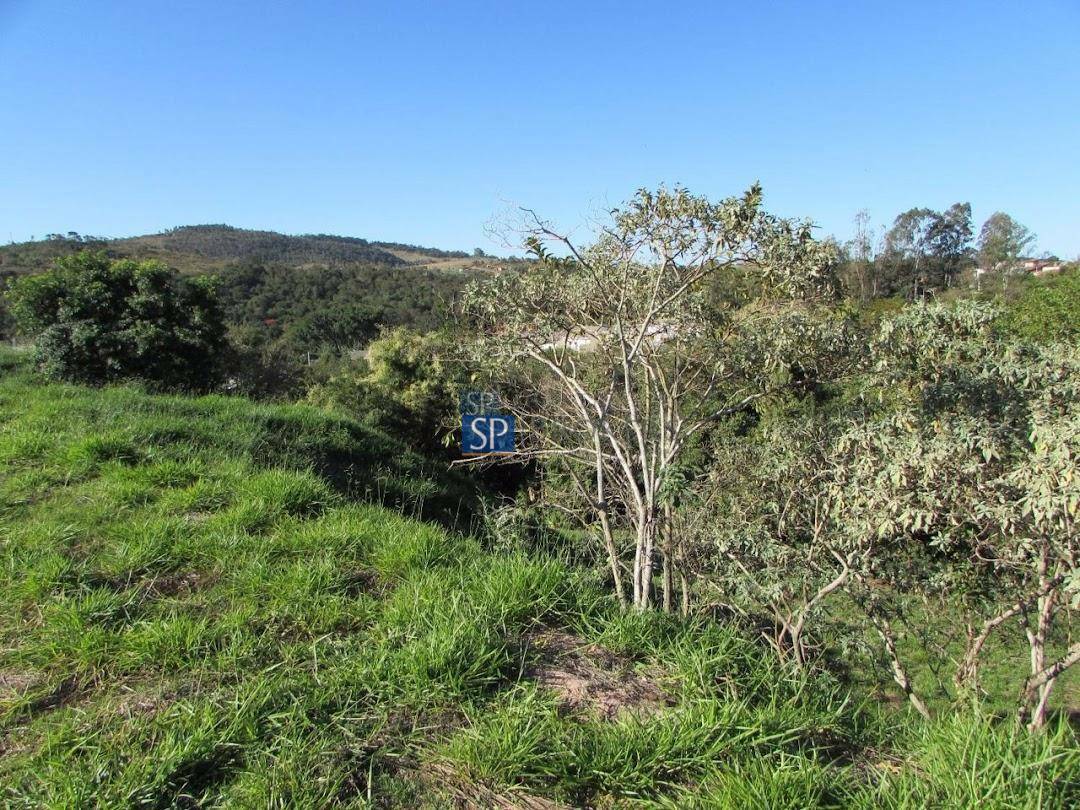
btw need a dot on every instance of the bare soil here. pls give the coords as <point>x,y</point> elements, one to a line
<point>591,679</point>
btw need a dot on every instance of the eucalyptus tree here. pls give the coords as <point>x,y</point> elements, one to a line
<point>861,277</point>
<point>950,241</point>
<point>926,249</point>
<point>1002,242</point>
<point>614,356</point>
<point>906,251</point>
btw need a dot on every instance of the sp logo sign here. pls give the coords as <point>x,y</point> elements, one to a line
<point>484,429</point>
<point>487,433</point>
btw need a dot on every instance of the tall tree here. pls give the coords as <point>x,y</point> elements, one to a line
<point>1002,241</point>
<point>907,250</point>
<point>926,249</point>
<point>950,241</point>
<point>612,358</point>
<point>861,279</point>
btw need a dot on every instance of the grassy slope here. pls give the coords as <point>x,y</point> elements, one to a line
<point>197,609</point>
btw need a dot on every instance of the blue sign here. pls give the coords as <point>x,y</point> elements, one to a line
<point>487,433</point>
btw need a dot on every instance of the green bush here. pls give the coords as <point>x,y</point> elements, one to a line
<point>97,320</point>
<point>1047,310</point>
<point>407,387</point>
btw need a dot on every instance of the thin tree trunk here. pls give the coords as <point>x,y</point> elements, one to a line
<point>1046,617</point>
<point>1036,682</point>
<point>684,587</point>
<point>639,553</point>
<point>668,581</point>
<point>900,674</point>
<point>605,524</point>
<point>613,557</point>
<point>795,629</point>
<point>648,562</point>
<point>600,505</point>
<point>667,551</point>
<point>967,672</point>
<point>1036,697</point>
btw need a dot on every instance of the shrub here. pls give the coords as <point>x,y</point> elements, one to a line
<point>407,388</point>
<point>98,320</point>
<point>1047,310</point>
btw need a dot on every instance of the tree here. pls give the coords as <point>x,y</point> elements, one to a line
<point>613,359</point>
<point>925,250</point>
<point>341,328</point>
<point>949,238</point>
<point>96,320</point>
<point>1002,241</point>
<point>862,279</point>
<point>907,250</point>
<point>965,482</point>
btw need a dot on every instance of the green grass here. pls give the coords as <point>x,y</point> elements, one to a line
<point>206,602</point>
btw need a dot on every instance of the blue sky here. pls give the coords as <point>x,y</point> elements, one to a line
<point>421,122</point>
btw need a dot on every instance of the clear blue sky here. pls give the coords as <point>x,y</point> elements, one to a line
<point>420,122</point>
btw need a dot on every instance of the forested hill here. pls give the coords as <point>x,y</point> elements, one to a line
<point>205,248</point>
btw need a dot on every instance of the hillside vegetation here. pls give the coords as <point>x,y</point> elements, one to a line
<point>766,538</point>
<point>208,602</point>
<point>208,248</point>
<point>297,307</point>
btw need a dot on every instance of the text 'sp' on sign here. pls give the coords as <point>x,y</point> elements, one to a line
<point>485,429</point>
<point>487,433</point>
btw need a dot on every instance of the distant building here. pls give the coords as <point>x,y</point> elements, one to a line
<point>1040,267</point>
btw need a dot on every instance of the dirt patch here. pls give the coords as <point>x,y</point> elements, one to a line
<point>144,700</point>
<point>442,779</point>
<point>586,677</point>
<point>176,584</point>
<point>154,586</point>
<point>15,682</point>
<point>366,581</point>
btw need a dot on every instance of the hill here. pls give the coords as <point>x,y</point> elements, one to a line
<point>267,277</point>
<point>209,248</point>
<point>207,602</point>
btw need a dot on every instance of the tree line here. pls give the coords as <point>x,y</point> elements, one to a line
<point>927,252</point>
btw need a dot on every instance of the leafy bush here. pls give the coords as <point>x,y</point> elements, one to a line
<point>406,388</point>
<point>1047,310</point>
<point>97,320</point>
